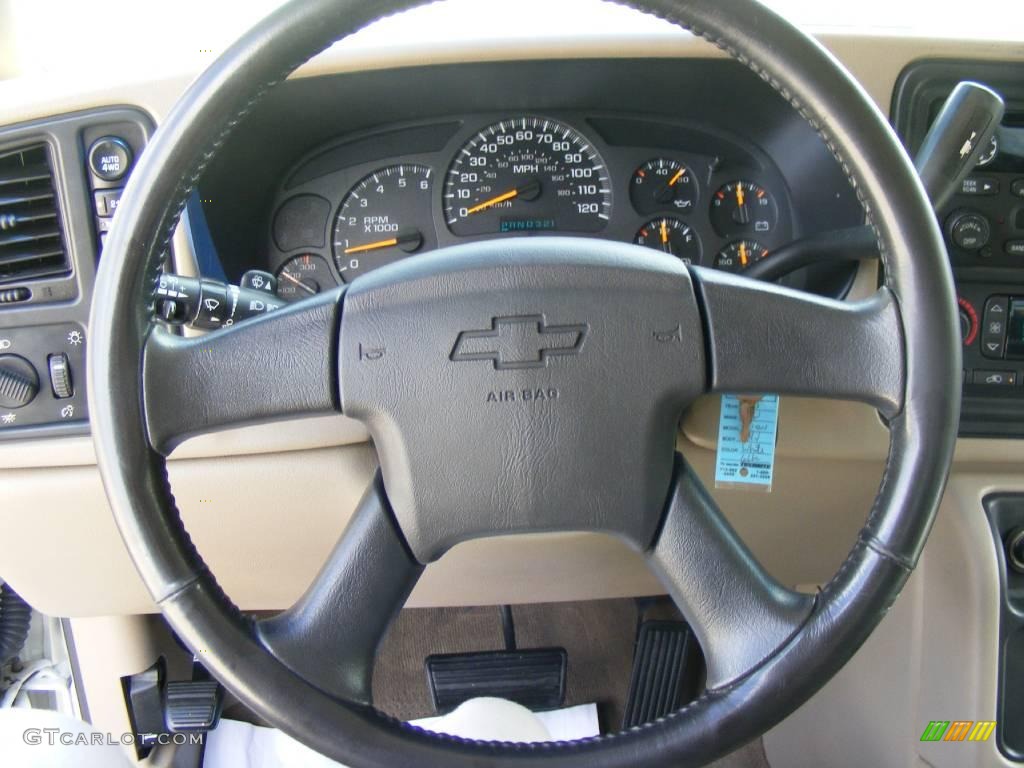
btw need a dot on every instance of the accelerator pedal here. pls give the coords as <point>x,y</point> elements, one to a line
<point>665,667</point>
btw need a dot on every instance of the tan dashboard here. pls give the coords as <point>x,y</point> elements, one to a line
<point>265,504</point>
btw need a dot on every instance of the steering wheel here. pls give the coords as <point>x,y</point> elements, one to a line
<point>525,385</point>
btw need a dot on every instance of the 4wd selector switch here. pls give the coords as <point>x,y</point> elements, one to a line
<point>110,158</point>
<point>1015,549</point>
<point>19,382</point>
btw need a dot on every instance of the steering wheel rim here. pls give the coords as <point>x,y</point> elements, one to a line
<point>912,319</point>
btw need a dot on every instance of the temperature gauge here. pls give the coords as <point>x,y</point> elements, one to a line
<point>304,276</point>
<point>737,256</point>
<point>743,208</point>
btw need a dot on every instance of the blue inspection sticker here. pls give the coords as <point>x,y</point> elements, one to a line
<point>747,429</point>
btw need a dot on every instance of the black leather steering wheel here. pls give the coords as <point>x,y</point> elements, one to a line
<point>602,346</point>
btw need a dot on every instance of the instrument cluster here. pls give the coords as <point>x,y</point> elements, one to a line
<point>340,214</point>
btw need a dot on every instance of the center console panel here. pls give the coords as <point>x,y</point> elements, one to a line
<point>983,226</point>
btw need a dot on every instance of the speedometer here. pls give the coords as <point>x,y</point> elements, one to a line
<point>527,175</point>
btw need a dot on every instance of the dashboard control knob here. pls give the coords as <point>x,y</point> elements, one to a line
<point>970,231</point>
<point>19,382</point>
<point>1015,549</point>
<point>968,321</point>
<point>965,325</point>
<point>60,376</point>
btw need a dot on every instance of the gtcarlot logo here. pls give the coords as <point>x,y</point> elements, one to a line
<point>52,737</point>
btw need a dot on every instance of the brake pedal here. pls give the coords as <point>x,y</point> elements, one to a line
<point>533,678</point>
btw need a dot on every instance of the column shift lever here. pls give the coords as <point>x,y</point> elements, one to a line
<point>961,132</point>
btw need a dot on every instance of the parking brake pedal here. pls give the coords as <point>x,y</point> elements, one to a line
<point>665,667</point>
<point>193,706</point>
<point>158,707</point>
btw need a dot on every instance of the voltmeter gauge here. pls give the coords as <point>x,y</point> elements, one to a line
<point>743,208</point>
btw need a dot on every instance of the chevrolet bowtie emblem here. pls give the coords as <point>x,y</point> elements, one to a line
<point>525,341</point>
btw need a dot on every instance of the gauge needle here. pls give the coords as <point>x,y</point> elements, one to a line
<point>667,192</point>
<point>373,246</point>
<point>743,254</point>
<point>302,285</point>
<point>528,191</point>
<point>664,231</point>
<point>740,199</point>
<point>407,241</point>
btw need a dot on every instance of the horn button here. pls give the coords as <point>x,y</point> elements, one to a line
<point>523,386</point>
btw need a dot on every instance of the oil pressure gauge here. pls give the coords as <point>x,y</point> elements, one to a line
<point>663,184</point>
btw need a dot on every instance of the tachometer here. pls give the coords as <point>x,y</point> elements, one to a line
<point>527,175</point>
<point>383,218</point>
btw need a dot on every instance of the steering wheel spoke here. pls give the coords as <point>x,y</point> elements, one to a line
<point>765,338</point>
<point>330,635</point>
<point>740,614</point>
<point>277,366</point>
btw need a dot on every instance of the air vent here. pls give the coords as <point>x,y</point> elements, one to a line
<point>31,243</point>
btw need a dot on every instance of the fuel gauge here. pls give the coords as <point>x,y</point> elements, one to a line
<point>672,236</point>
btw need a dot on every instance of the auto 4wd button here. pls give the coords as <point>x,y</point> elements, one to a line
<point>110,158</point>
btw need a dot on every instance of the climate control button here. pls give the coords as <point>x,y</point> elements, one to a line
<point>19,382</point>
<point>993,326</point>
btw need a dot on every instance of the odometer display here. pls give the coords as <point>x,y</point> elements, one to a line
<point>527,175</point>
